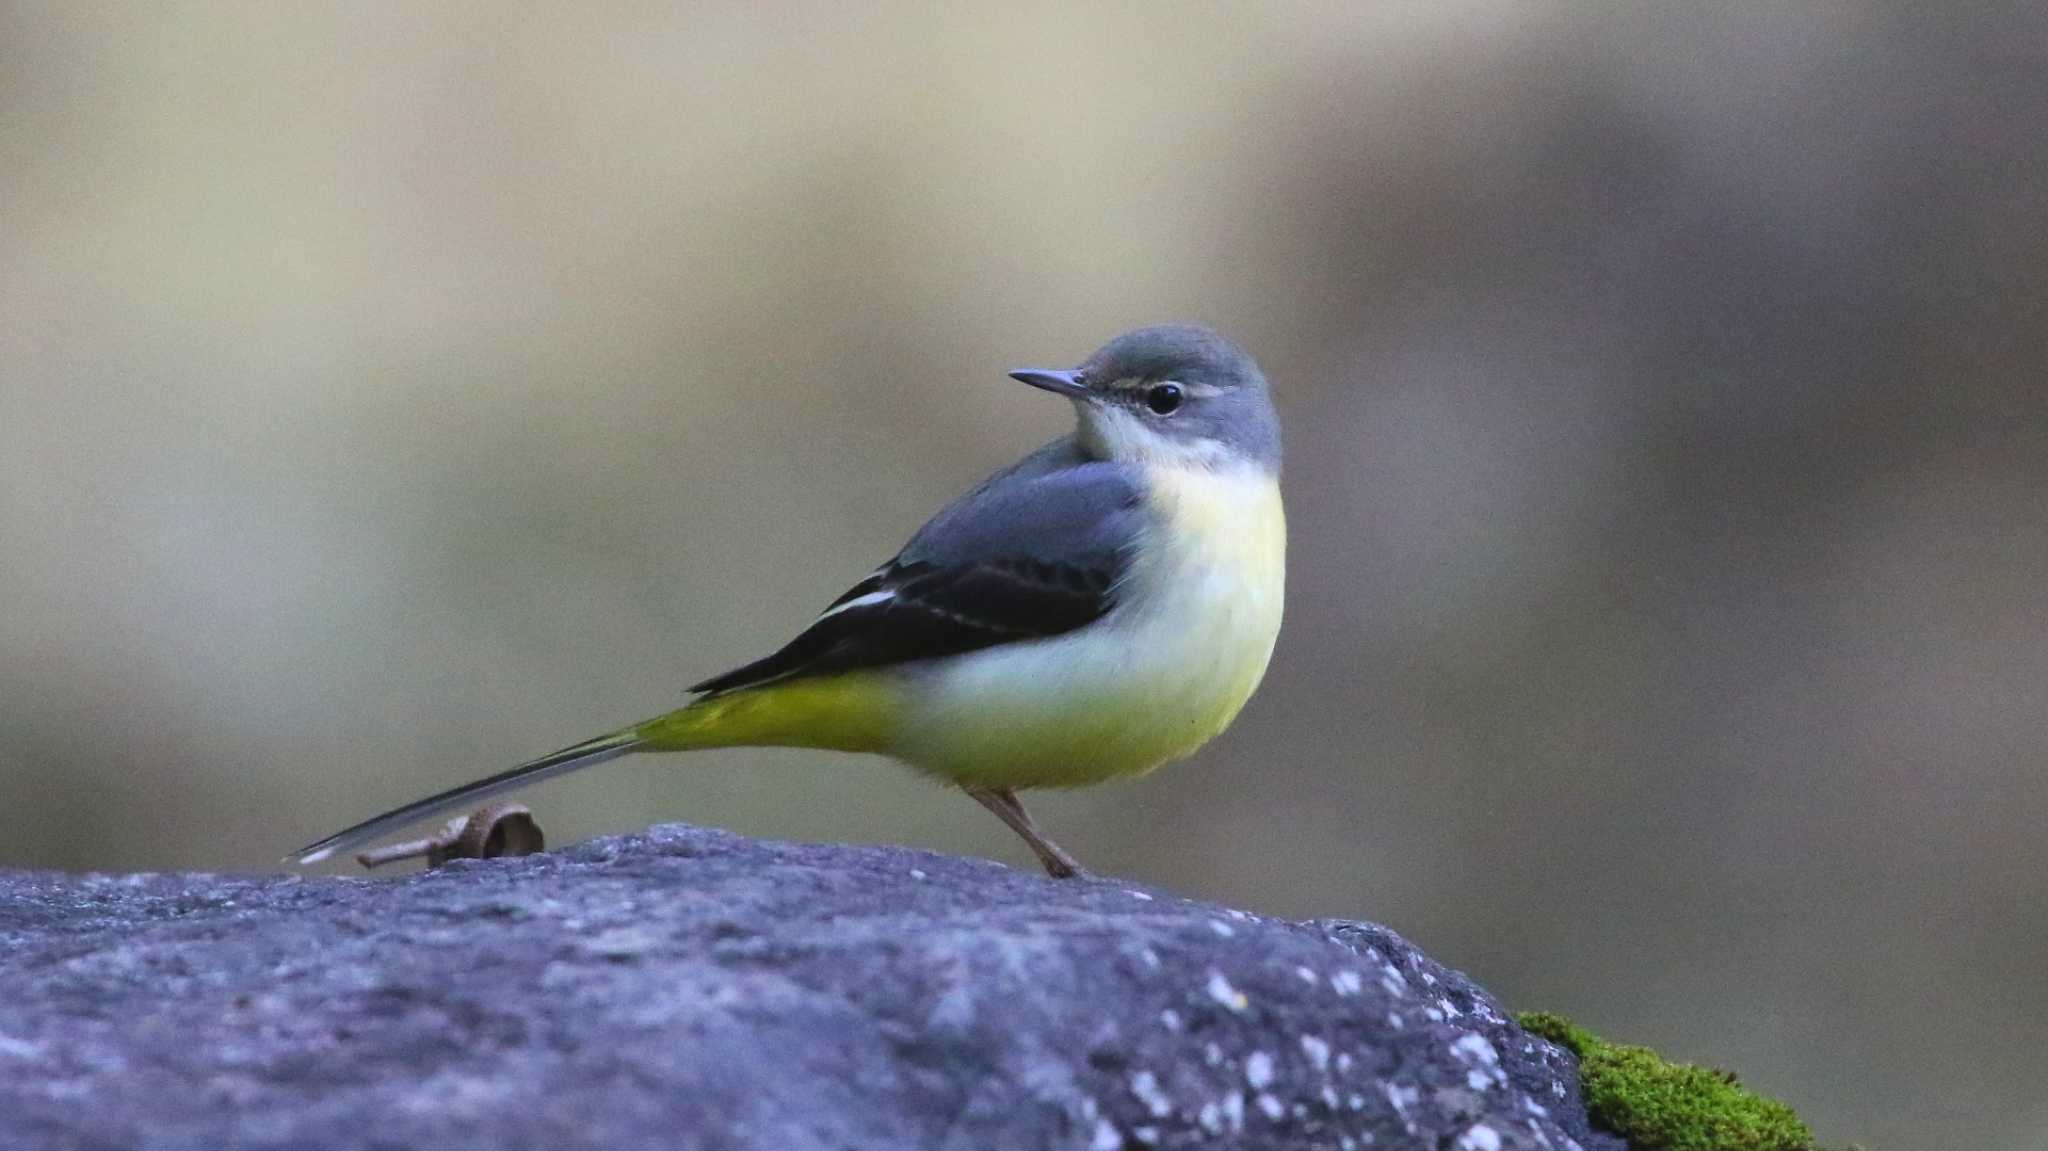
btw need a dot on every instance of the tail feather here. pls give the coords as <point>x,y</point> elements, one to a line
<point>855,712</point>
<point>586,754</point>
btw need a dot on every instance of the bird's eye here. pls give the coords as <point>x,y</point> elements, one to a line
<point>1163,399</point>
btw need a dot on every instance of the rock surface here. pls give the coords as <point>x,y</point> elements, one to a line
<point>691,988</point>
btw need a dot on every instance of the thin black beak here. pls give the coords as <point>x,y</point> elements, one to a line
<point>1067,384</point>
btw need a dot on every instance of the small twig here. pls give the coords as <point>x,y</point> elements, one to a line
<point>486,833</point>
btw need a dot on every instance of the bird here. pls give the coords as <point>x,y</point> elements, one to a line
<point>1103,606</point>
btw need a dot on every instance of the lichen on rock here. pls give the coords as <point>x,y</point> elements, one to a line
<point>691,988</point>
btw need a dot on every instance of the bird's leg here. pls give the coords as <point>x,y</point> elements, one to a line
<point>1008,808</point>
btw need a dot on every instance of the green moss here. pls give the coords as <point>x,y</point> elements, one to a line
<point>1665,1106</point>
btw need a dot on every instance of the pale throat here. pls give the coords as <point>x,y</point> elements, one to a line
<point>1113,434</point>
<point>1217,550</point>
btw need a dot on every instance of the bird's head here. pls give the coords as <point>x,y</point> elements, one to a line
<point>1176,395</point>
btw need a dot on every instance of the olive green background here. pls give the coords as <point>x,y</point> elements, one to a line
<point>392,392</point>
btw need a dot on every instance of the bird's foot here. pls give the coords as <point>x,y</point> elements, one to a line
<point>1007,807</point>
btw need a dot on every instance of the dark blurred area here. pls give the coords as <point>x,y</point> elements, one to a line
<point>390,394</point>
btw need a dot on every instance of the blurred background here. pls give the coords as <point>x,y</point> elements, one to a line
<point>391,393</point>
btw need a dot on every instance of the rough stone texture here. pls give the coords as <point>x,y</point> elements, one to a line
<point>690,988</point>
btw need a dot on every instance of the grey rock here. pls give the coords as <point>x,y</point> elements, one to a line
<point>694,989</point>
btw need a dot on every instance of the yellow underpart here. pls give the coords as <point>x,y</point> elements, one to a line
<point>1161,675</point>
<point>859,711</point>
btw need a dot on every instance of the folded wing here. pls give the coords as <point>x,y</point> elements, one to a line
<point>1035,551</point>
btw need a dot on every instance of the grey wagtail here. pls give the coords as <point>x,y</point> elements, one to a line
<point>1101,607</point>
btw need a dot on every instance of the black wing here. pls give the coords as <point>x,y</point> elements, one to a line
<point>1035,551</point>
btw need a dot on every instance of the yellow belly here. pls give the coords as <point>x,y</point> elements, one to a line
<point>1161,675</point>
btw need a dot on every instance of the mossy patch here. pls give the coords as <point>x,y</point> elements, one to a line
<point>1658,1105</point>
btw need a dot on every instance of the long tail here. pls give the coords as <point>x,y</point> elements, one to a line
<point>845,713</point>
<point>586,754</point>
